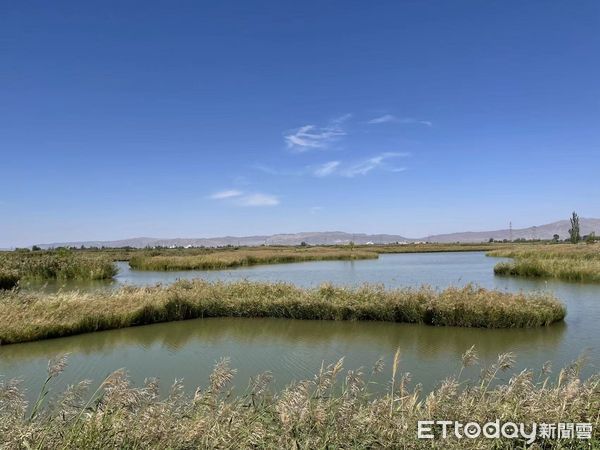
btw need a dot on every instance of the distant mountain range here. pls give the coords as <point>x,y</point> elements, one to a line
<point>338,237</point>
<point>546,231</point>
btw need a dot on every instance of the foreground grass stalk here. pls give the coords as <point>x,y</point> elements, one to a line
<point>28,316</point>
<point>55,368</point>
<point>334,409</point>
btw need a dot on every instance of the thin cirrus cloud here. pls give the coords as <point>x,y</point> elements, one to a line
<point>240,198</point>
<point>359,168</point>
<point>230,193</point>
<point>312,137</point>
<point>389,118</point>
<point>326,169</point>
<point>259,200</point>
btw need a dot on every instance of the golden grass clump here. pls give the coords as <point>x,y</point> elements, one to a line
<point>60,264</point>
<point>563,261</point>
<point>243,257</point>
<point>337,408</point>
<point>28,316</point>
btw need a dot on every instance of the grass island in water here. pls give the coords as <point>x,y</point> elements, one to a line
<point>567,262</point>
<point>29,316</point>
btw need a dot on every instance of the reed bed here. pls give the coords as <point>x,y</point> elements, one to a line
<point>336,408</point>
<point>551,251</point>
<point>243,257</point>
<point>57,265</point>
<point>30,316</point>
<point>432,247</point>
<point>563,261</point>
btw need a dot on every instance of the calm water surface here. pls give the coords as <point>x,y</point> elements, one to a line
<point>294,350</point>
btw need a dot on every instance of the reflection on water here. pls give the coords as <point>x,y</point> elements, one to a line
<point>291,349</point>
<point>295,349</point>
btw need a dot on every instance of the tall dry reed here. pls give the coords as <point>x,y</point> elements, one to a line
<point>337,408</point>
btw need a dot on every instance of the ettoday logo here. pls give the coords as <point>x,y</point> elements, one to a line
<point>445,429</point>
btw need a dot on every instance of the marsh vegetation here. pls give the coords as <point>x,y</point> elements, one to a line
<point>244,257</point>
<point>29,316</point>
<point>563,261</point>
<point>207,259</point>
<point>53,265</point>
<point>97,264</point>
<point>336,408</point>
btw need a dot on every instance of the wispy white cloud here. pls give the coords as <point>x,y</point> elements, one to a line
<point>311,137</point>
<point>240,198</point>
<point>316,209</point>
<point>341,119</point>
<point>340,168</point>
<point>383,119</point>
<point>326,169</point>
<point>265,169</point>
<point>277,171</point>
<point>362,167</point>
<point>258,200</point>
<point>230,193</point>
<point>389,118</point>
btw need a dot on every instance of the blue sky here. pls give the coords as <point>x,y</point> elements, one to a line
<point>190,119</point>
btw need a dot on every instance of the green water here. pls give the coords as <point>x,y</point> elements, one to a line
<point>293,350</point>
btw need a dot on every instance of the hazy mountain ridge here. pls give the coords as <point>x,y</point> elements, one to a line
<point>546,231</point>
<point>339,237</point>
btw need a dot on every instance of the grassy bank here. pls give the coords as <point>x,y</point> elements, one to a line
<point>56,265</point>
<point>334,409</point>
<point>432,248</point>
<point>125,254</point>
<point>563,261</point>
<point>30,316</point>
<point>244,257</point>
<point>223,258</point>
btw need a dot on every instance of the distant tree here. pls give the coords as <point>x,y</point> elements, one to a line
<point>590,238</point>
<point>556,238</point>
<point>63,251</point>
<point>35,248</point>
<point>303,244</point>
<point>574,230</point>
<point>491,240</point>
<point>351,244</point>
